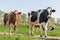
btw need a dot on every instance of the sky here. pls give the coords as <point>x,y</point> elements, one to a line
<point>26,6</point>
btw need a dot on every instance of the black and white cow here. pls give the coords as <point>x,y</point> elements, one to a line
<point>40,17</point>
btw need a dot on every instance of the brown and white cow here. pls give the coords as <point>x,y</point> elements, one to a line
<point>11,19</point>
<point>40,17</point>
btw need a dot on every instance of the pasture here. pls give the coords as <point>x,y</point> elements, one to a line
<point>23,29</point>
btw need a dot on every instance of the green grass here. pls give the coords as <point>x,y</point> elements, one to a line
<point>55,32</point>
<point>7,37</point>
<point>23,29</point>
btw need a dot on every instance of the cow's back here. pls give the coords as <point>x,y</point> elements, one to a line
<point>12,18</point>
<point>43,16</point>
<point>6,18</point>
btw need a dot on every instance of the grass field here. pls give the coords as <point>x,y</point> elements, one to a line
<point>23,29</point>
<point>6,37</point>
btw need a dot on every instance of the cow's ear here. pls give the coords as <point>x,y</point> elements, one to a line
<point>39,10</point>
<point>19,12</point>
<point>28,14</point>
<point>16,11</point>
<point>53,10</point>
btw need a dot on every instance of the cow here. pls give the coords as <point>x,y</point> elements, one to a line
<point>41,18</point>
<point>11,19</point>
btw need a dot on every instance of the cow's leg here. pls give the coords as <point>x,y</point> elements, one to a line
<point>40,30</point>
<point>4,29</point>
<point>46,29</point>
<point>5,26</point>
<point>14,29</point>
<point>9,29</point>
<point>32,30</point>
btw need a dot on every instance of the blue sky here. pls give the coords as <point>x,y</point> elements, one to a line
<point>27,5</point>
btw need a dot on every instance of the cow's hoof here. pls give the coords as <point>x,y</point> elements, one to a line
<point>4,33</point>
<point>41,35</point>
<point>29,34</point>
<point>15,33</point>
<point>32,34</point>
<point>45,36</point>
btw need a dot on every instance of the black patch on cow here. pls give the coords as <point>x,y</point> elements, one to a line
<point>34,16</point>
<point>43,16</point>
<point>51,28</point>
<point>28,14</point>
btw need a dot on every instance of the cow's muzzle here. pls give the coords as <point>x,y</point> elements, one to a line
<point>49,16</point>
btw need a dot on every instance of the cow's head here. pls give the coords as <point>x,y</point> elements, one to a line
<point>50,10</point>
<point>17,12</point>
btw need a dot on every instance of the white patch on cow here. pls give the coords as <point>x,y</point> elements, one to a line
<point>46,28</point>
<point>10,28</point>
<point>29,29</point>
<point>40,29</point>
<point>29,18</point>
<point>42,25</point>
<point>49,11</point>
<point>39,15</point>
<point>33,30</point>
<point>4,29</point>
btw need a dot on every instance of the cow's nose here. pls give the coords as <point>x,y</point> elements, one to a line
<point>49,16</point>
<point>19,12</point>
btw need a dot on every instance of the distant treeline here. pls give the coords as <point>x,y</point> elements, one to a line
<point>24,19</point>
